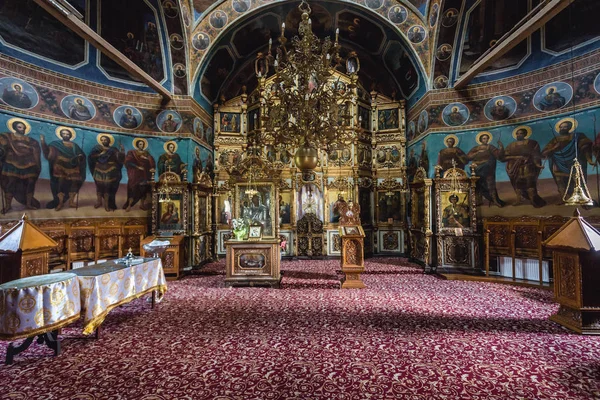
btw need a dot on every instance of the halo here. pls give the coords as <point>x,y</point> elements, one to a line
<point>453,137</point>
<point>62,128</point>
<point>499,101</point>
<point>569,119</point>
<point>166,144</point>
<point>551,87</point>
<point>19,84</point>
<point>78,98</point>
<point>111,137</point>
<point>10,122</point>
<point>140,139</point>
<point>525,127</point>
<point>480,134</point>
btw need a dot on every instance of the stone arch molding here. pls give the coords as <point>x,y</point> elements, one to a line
<point>205,29</point>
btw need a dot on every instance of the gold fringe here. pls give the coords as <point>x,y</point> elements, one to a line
<point>39,331</point>
<point>95,322</point>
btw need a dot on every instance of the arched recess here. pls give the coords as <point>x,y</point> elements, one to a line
<point>371,31</point>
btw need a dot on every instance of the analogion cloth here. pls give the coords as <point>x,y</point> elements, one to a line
<point>106,286</point>
<point>38,304</point>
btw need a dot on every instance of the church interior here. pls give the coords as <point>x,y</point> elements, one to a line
<point>299,199</point>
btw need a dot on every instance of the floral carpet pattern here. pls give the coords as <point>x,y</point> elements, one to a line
<point>406,336</point>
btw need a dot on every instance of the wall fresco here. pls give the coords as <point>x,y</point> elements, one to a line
<point>535,101</point>
<point>53,104</point>
<point>524,164</point>
<point>54,171</point>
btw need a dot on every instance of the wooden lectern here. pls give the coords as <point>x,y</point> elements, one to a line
<point>576,260</point>
<point>353,249</point>
<point>24,251</point>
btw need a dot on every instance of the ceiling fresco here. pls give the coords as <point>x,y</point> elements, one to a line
<point>200,7</point>
<point>224,50</point>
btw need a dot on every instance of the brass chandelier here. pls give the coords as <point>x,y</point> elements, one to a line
<point>306,109</point>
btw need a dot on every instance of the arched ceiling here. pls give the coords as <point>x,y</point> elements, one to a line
<point>225,41</point>
<point>202,7</point>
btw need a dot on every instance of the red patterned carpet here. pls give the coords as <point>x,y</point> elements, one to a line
<point>407,336</point>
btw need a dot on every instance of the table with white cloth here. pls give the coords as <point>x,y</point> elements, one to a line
<point>106,286</point>
<point>38,306</point>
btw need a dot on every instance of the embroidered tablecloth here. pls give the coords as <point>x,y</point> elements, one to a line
<point>38,304</point>
<point>108,285</point>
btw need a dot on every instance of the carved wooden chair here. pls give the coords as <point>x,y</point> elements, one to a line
<point>81,241</point>
<point>131,238</point>
<point>58,257</point>
<point>497,241</point>
<point>107,240</point>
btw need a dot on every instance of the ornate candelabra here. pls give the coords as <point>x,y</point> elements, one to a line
<point>306,109</point>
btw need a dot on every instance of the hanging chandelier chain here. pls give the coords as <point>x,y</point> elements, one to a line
<point>305,105</point>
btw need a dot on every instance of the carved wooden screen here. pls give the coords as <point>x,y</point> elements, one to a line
<point>527,237</point>
<point>310,236</point>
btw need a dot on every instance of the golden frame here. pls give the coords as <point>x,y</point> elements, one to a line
<point>420,232</point>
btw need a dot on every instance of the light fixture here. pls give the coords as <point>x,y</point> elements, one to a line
<point>581,194</point>
<point>251,190</point>
<point>164,193</point>
<point>306,109</point>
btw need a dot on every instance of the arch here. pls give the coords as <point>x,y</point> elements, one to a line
<point>419,53</point>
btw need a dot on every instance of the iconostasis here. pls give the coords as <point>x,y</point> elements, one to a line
<point>370,170</point>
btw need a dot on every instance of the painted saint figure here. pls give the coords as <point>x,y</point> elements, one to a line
<point>128,120</point>
<point>450,153</point>
<point>197,167</point>
<point>424,160</point>
<point>171,215</point>
<point>16,97</point>
<point>337,208</point>
<point>169,125</point>
<point>552,100</point>
<point>21,165</point>
<point>499,111</point>
<point>170,160</point>
<point>455,215</point>
<point>484,157</point>
<point>79,111</point>
<point>523,165</point>
<point>140,166</point>
<point>561,151</point>
<point>412,166</point>
<point>106,163</point>
<point>455,118</point>
<point>67,168</point>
